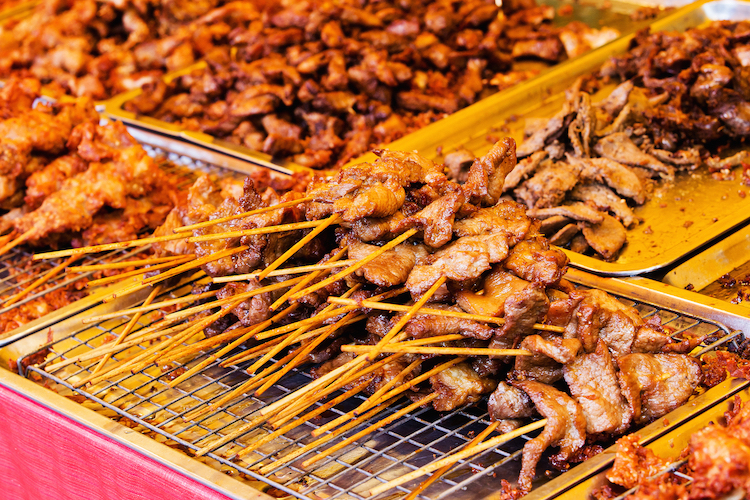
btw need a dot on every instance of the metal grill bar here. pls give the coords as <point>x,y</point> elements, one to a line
<point>398,448</point>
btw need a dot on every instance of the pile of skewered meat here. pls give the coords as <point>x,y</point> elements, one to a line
<point>64,177</point>
<point>718,461</point>
<point>681,100</point>
<point>619,370</point>
<point>100,49</point>
<point>321,83</point>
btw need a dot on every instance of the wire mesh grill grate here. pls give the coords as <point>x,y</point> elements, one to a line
<point>405,445</point>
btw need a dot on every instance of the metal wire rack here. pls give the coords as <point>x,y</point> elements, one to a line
<point>405,445</point>
<point>18,270</point>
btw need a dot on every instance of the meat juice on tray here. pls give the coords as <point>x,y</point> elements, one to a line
<point>673,104</point>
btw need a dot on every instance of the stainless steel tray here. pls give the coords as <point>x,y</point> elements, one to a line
<point>705,273</point>
<point>398,448</point>
<point>708,207</point>
<point>596,13</point>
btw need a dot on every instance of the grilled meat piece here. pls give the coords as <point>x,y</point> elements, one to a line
<point>593,382</point>
<point>541,136</point>
<point>565,428</point>
<point>507,216</point>
<point>499,285</point>
<point>487,174</point>
<point>389,269</point>
<point>550,353</point>
<point>523,170</point>
<point>548,187</point>
<point>655,384</point>
<point>427,325</point>
<point>252,310</point>
<point>605,200</point>
<point>508,402</point>
<point>607,237</point>
<point>459,385</point>
<point>534,260</point>
<point>614,174</point>
<point>620,148</point>
<point>575,211</point>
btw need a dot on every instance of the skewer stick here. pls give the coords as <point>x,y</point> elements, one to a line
<point>349,270</point>
<point>306,400</point>
<point>302,353</point>
<point>437,312</point>
<point>136,272</point>
<point>124,264</point>
<point>128,328</point>
<point>318,318</point>
<point>292,337</point>
<point>320,441</point>
<point>297,246</point>
<point>374,351</point>
<point>286,270</point>
<point>370,402</point>
<point>17,241</point>
<point>257,211</point>
<point>296,423</point>
<point>308,279</point>
<point>432,340</point>
<point>436,475</point>
<point>250,232</point>
<point>377,425</point>
<point>39,281</point>
<point>463,454</point>
<point>151,307</point>
<point>222,302</point>
<point>440,351</point>
<point>108,246</point>
<point>243,336</point>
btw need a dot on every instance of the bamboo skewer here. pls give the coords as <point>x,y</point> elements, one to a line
<point>124,264</point>
<point>440,351</point>
<point>108,246</point>
<point>125,332</point>
<point>136,272</point>
<point>322,440</point>
<point>369,430</point>
<point>308,279</point>
<point>297,246</point>
<point>257,211</point>
<point>375,350</point>
<point>326,266</point>
<point>296,423</point>
<point>370,402</point>
<point>39,281</point>
<point>436,475</point>
<point>17,241</point>
<point>349,270</point>
<point>460,455</point>
<point>438,312</point>
<point>150,307</point>
<point>279,228</point>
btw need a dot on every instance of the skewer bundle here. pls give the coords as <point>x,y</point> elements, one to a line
<point>398,281</point>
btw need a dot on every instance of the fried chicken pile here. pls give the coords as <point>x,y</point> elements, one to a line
<point>718,461</point>
<point>619,369</point>
<point>66,178</point>
<point>681,99</point>
<point>100,49</point>
<point>322,83</point>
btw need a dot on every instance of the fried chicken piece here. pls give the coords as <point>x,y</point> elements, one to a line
<point>719,462</point>
<point>655,384</point>
<point>565,428</point>
<point>459,385</point>
<point>633,463</point>
<point>593,382</point>
<point>49,179</point>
